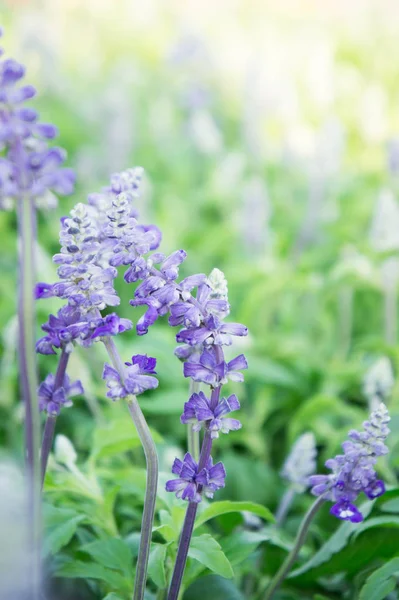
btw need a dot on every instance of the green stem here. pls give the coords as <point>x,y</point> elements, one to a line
<point>152,475</point>
<point>28,374</point>
<point>289,561</point>
<point>193,438</point>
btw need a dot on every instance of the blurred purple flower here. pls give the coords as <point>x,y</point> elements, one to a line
<point>353,472</point>
<point>51,400</point>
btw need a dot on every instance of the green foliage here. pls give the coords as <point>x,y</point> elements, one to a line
<point>205,549</point>
<point>212,586</point>
<point>381,582</point>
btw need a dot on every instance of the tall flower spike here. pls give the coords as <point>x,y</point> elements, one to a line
<point>29,166</point>
<point>301,462</point>
<point>353,472</point>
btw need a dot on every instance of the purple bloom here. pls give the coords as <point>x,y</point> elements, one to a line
<point>110,325</point>
<point>71,325</point>
<point>353,472</point>
<point>198,410</point>
<point>137,377</point>
<point>212,331</point>
<point>29,167</point>
<point>190,483</point>
<point>51,400</point>
<point>214,373</point>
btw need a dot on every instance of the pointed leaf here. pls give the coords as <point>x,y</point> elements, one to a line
<point>226,506</point>
<point>208,552</point>
<point>156,565</point>
<point>113,553</point>
<point>381,582</point>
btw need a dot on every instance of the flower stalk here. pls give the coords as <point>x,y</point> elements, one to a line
<point>299,541</point>
<point>49,428</point>
<point>27,358</point>
<point>188,526</point>
<point>152,475</point>
<point>193,439</point>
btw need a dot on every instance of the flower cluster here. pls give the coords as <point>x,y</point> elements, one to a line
<point>192,481</point>
<point>353,472</point>
<point>198,411</point>
<point>85,281</point>
<point>29,168</point>
<point>86,271</point>
<point>137,377</point>
<point>71,325</point>
<point>301,462</point>
<point>52,400</point>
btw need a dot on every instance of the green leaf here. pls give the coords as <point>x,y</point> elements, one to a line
<point>380,583</point>
<point>334,544</point>
<point>171,523</point>
<point>115,437</point>
<point>113,553</point>
<point>214,588</point>
<point>112,596</point>
<point>391,506</point>
<point>226,506</point>
<point>375,544</point>
<point>156,565</point>
<point>377,522</point>
<point>208,552</point>
<point>239,545</point>
<point>60,526</point>
<point>87,570</point>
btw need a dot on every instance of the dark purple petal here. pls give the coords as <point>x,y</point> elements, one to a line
<point>375,489</point>
<point>347,512</point>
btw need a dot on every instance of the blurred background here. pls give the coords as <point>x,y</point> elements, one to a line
<point>269,136</point>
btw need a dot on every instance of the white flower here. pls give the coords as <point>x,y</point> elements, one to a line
<point>379,380</point>
<point>218,282</point>
<point>64,451</point>
<point>301,462</point>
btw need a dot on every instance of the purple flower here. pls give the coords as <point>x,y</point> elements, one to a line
<point>51,400</point>
<point>71,325</point>
<point>137,377</point>
<point>110,325</point>
<point>191,483</point>
<point>198,410</point>
<point>353,472</point>
<point>212,331</point>
<point>29,167</point>
<point>214,373</point>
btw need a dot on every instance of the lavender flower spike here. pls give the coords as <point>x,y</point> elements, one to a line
<point>353,472</point>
